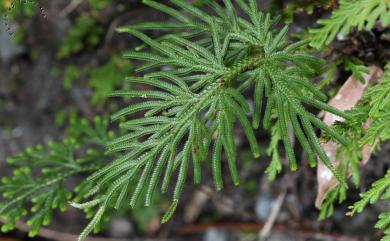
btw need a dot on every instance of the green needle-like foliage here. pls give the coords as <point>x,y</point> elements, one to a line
<point>374,107</point>
<point>197,74</point>
<point>41,172</point>
<point>380,190</point>
<point>378,98</point>
<point>362,14</point>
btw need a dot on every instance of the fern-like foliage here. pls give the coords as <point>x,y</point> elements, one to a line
<point>379,131</point>
<point>189,114</point>
<point>337,195</point>
<point>379,102</point>
<point>40,174</point>
<point>375,107</point>
<point>275,167</point>
<point>380,190</point>
<point>362,14</point>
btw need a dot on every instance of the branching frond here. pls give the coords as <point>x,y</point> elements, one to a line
<point>55,164</point>
<point>361,14</point>
<point>189,112</point>
<point>375,107</point>
<point>337,195</point>
<point>380,190</point>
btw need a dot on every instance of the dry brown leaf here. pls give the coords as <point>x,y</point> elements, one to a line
<point>346,98</point>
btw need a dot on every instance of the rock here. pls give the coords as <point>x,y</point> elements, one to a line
<point>263,206</point>
<point>8,49</point>
<point>215,235</point>
<point>120,228</point>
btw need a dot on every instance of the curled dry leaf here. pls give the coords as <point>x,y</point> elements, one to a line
<point>346,98</point>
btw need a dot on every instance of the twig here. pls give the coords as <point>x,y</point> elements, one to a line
<point>111,31</point>
<point>300,233</point>
<point>277,205</point>
<point>56,235</point>
<point>275,210</point>
<point>61,236</point>
<point>82,104</point>
<point>226,203</point>
<point>70,7</point>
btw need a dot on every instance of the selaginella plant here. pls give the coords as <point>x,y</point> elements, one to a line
<point>373,108</point>
<point>200,71</point>
<point>360,14</point>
